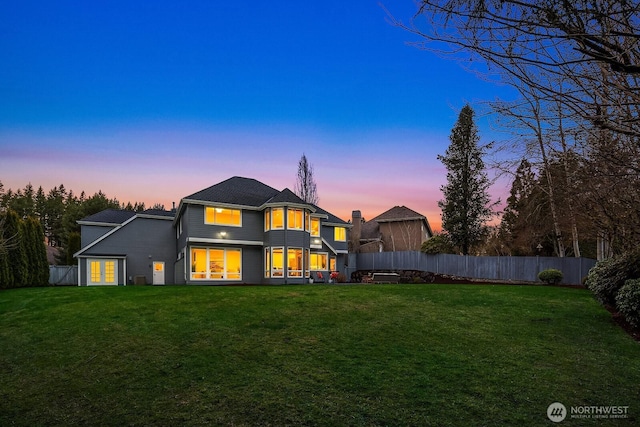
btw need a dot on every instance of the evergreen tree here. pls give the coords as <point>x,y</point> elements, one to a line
<point>518,230</point>
<point>466,206</point>
<point>38,263</point>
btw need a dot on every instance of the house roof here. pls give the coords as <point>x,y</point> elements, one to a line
<point>250,192</point>
<point>236,190</point>
<point>158,212</point>
<point>370,230</point>
<point>399,213</point>
<point>109,216</point>
<point>331,218</point>
<point>119,216</point>
<point>287,196</point>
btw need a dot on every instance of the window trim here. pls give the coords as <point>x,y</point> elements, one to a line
<point>316,255</point>
<point>296,274</point>
<point>215,208</point>
<point>311,228</point>
<point>294,212</point>
<point>284,218</point>
<point>207,272</point>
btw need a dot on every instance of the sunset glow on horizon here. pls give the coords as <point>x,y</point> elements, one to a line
<point>153,102</point>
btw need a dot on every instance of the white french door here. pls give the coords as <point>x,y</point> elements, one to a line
<point>102,272</point>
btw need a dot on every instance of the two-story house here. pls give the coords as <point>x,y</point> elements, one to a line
<point>237,231</point>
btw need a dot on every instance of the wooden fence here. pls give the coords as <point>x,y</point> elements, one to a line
<point>63,275</point>
<point>502,268</point>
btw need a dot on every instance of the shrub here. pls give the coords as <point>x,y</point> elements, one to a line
<point>551,276</point>
<point>609,275</point>
<point>628,301</point>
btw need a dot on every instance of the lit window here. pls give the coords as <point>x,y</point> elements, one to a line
<point>318,262</point>
<point>294,220</point>
<point>340,234</point>
<point>198,263</point>
<point>306,221</point>
<point>332,264</point>
<point>306,263</point>
<point>267,220</point>
<point>216,264</point>
<point>222,216</point>
<point>267,262</point>
<point>277,218</point>
<point>234,264</point>
<point>95,271</point>
<point>315,226</point>
<point>277,262</point>
<point>109,271</point>
<point>294,262</point>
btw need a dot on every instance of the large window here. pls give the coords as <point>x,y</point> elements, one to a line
<point>315,227</point>
<point>318,261</point>
<point>277,218</point>
<point>222,216</point>
<point>277,262</point>
<point>294,262</point>
<point>295,219</point>
<point>340,234</point>
<point>216,264</point>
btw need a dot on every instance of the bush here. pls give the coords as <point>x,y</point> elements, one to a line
<point>609,275</point>
<point>551,276</point>
<point>628,301</point>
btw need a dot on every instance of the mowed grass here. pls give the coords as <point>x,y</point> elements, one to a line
<point>441,355</point>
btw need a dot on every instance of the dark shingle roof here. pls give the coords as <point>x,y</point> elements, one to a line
<point>236,190</point>
<point>287,196</point>
<point>398,213</point>
<point>109,216</point>
<point>159,212</point>
<point>250,192</point>
<point>330,217</point>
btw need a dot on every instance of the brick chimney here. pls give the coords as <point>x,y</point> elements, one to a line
<point>356,221</point>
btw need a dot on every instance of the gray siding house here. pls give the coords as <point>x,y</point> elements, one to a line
<point>239,231</point>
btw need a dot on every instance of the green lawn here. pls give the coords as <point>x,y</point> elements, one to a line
<point>437,355</point>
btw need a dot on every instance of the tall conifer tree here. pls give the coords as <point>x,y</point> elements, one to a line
<point>467,205</point>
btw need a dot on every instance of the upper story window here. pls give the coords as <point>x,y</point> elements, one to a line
<point>277,218</point>
<point>294,219</point>
<point>340,234</point>
<point>315,227</point>
<point>267,220</point>
<point>222,216</point>
<point>306,221</point>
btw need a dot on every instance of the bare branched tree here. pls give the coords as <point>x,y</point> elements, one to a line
<point>593,45</point>
<point>305,183</point>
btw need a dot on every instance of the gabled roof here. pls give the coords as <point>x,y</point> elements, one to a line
<point>252,193</point>
<point>399,213</point>
<point>370,230</point>
<point>287,196</point>
<point>108,216</point>
<point>236,190</point>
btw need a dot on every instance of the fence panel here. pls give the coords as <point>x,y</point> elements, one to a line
<point>63,275</point>
<point>517,269</point>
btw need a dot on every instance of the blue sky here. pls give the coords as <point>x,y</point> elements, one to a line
<point>152,101</point>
